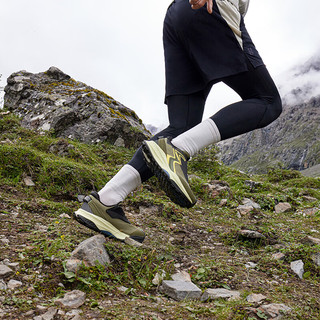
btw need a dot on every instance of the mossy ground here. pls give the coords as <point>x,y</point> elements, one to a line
<point>204,240</point>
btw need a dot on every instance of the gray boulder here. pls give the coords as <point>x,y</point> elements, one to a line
<point>52,100</point>
<point>180,290</point>
<point>90,252</point>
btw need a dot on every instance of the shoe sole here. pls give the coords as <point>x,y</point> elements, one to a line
<point>98,224</point>
<point>169,180</point>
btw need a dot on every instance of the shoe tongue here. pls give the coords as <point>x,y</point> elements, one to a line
<point>96,195</point>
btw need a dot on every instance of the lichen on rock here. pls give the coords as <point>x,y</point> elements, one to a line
<point>52,100</point>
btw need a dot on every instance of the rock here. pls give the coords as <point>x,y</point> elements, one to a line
<point>297,267</point>
<point>129,241</point>
<point>73,299</point>
<point>49,315</point>
<point>122,289</point>
<point>256,298</point>
<point>250,265</point>
<point>278,256</point>
<point>181,276</point>
<point>14,284</point>
<point>217,187</point>
<point>73,265</point>
<point>52,100</point>
<point>5,271</point>
<point>247,206</point>
<point>119,142</point>
<point>91,251</point>
<point>308,211</point>
<point>41,227</point>
<point>158,278</point>
<point>274,310</point>
<point>316,259</point>
<point>211,294</point>
<point>65,215</point>
<point>223,202</point>
<point>248,202</point>
<point>5,241</point>
<point>309,199</point>
<point>252,184</point>
<point>251,234</point>
<point>311,240</point>
<point>282,207</point>
<point>28,182</point>
<point>3,285</point>
<point>180,290</point>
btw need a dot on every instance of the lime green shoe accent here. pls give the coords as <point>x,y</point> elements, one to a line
<point>169,164</point>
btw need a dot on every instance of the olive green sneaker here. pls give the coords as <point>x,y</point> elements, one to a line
<point>110,221</point>
<point>169,164</point>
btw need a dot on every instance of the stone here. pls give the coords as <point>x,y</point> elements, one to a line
<point>5,241</point>
<point>283,207</point>
<point>297,268</point>
<point>65,215</point>
<point>256,298</point>
<point>73,265</point>
<point>5,271</point>
<point>216,188</point>
<point>308,211</point>
<point>52,100</point>
<point>122,289</point>
<point>220,293</point>
<point>316,258</point>
<point>181,276</point>
<point>28,182</point>
<point>311,240</point>
<point>3,285</point>
<point>73,299</point>
<point>50,314</point>
<point>223,202</point>
<point>129,241</point>
<point>278,256</point>
<point>249,202</point>
<point>250,265</point>
<point>274,310</point>
<point>158,278</point>
<point>92,251</point>
<point>251,234</point>
<point>180,290</point>
<point>14,284</point>
<point>309,199</point>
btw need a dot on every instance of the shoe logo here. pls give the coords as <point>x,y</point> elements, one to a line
<point>175,159</point>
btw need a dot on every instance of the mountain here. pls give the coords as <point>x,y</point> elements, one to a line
<point>293,140</point>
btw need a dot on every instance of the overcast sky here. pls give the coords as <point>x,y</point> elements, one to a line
<point>116,46</point>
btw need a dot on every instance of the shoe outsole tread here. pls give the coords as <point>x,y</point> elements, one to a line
<point>169,186</point>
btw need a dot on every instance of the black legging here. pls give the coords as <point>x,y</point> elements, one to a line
<point>260,106</point>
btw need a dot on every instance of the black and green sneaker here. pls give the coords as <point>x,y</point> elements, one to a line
<point>110,221</point>
<point>169,164</point>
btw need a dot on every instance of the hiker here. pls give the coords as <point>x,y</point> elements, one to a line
<point>205,42</point>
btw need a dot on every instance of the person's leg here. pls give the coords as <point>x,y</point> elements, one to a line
<point>260,106</point>
<point>184,112</point>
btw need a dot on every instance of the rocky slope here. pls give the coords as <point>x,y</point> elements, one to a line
<point>54,101</point>
<point>250,246</point>
<point>293,139</point>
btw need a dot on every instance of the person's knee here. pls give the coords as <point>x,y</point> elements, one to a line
<point>274,110</point>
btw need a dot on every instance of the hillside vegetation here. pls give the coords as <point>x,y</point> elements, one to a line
<point>37,234</point>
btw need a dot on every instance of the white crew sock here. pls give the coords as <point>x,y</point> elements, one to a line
<point>117,189</point>
<point>198,137</point>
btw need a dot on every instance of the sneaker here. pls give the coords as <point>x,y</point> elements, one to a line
<point>169,164</point>
<point>110,221</point>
